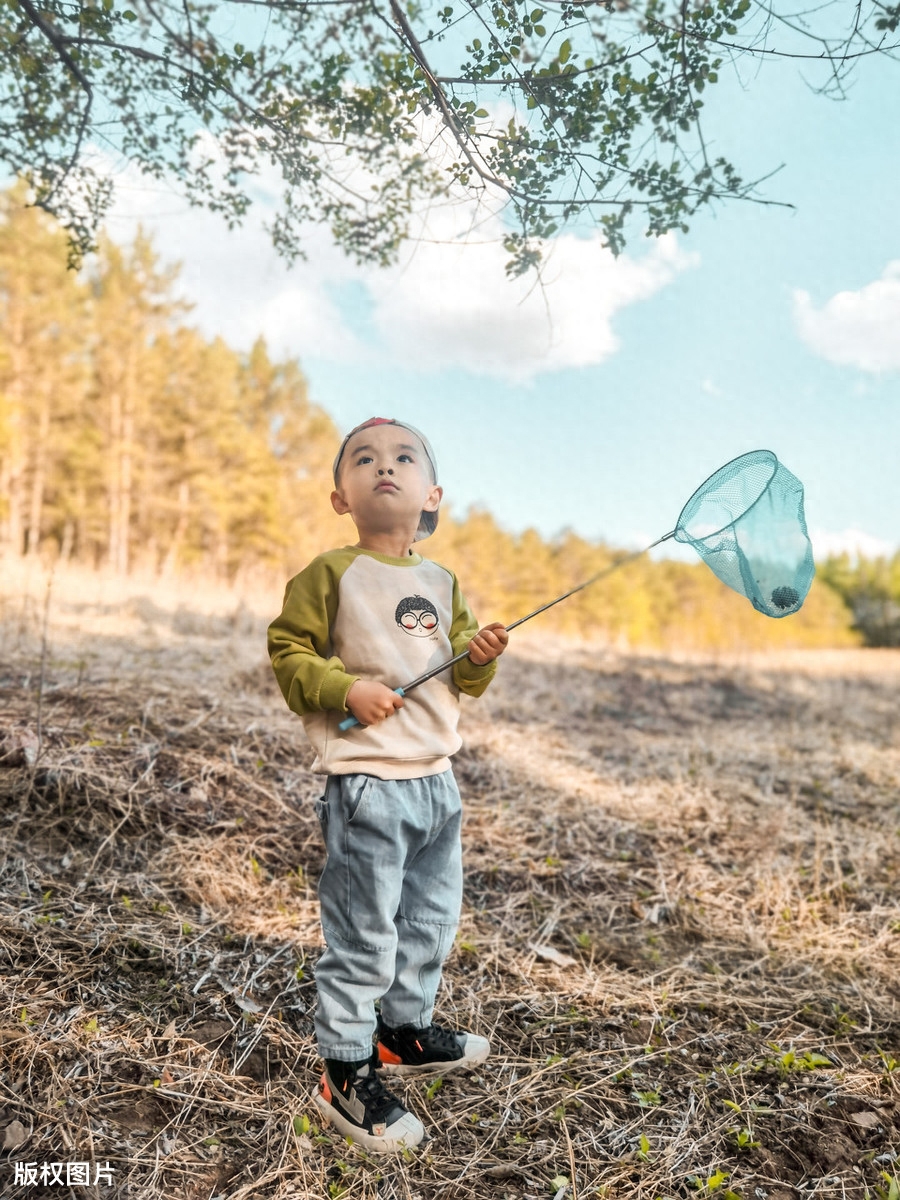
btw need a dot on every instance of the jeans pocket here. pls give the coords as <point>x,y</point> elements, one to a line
<point>356,796</point>
<point>321,810</point>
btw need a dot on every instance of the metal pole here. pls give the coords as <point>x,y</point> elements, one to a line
<point>349,722</point>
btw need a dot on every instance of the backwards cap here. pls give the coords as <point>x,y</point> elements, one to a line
<point>428,520</point>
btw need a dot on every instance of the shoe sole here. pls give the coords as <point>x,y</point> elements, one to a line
<point>407,1132</point>
<point>390,1064</point>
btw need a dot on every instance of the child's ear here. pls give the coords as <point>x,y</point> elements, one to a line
<point>339,504</point>
<point>433,503</point>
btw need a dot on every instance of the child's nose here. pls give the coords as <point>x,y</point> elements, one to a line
<point>381,471</point>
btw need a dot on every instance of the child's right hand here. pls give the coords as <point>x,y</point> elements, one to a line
<point>372,702</point>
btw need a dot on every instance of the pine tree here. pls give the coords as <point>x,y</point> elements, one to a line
<point>42,332</point>
<point>132,303</point>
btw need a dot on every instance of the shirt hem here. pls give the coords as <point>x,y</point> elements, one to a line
<point>414,769</point>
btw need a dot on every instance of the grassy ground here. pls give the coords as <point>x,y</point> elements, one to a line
<point>680,929</point>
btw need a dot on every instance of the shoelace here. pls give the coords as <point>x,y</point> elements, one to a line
<point>377,1099</point>
<point>446,1039</point>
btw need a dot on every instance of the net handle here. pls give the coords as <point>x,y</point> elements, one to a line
<point>620,562</point>
<point>350,721</point>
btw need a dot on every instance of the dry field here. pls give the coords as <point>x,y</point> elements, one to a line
<point>680,931</point>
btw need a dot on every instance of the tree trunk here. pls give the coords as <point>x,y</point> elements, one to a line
<point>38,478</point>
<point>68,540</point>
<point>114,485</point>
<point>171,560</point>
<point>12,474</point>
<point>125,488</point>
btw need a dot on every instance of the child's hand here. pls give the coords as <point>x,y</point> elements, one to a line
<point>487,644</point>
<point>372,702</point>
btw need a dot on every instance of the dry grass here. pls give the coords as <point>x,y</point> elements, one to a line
<point>680,929</point>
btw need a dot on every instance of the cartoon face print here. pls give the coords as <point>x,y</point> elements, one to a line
<point>416,616</point>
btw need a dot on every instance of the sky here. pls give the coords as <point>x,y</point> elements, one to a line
<point>599,401</point>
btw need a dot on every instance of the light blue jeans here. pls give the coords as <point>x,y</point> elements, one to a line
<point>390,897</point>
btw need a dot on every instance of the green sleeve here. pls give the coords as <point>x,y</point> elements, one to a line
<point>468,677</point>
<point>310,677</point>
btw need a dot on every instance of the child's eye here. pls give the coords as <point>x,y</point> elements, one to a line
<point>363,459</point>
<point>405,458</point>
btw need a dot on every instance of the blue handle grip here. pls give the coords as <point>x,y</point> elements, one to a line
<point>349,722</point>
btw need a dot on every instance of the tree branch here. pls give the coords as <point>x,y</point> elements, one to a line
<point>825,55</point>
<point>450,118</point>
<point>59,45</point>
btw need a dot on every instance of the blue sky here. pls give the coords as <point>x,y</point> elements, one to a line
<point>600,402</point>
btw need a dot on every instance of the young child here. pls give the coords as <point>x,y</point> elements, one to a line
<point>356,623</point>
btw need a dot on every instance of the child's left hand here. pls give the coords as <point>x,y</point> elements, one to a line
<point>488,644</point>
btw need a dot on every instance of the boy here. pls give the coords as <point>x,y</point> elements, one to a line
<point>356,623</point>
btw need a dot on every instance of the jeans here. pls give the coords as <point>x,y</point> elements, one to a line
<point>390,897</point>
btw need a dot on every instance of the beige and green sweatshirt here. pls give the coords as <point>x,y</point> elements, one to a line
<point>354,614</point>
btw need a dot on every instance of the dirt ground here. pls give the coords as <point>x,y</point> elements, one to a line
<point>680,929</point>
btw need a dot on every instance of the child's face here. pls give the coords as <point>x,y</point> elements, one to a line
<point>385,480</point>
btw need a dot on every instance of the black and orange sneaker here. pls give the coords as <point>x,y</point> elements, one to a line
<point>411,1051</point>
<point>352,1098</point>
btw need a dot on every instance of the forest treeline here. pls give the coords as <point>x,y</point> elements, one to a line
<point>130,441</point>
<point>870,587</point>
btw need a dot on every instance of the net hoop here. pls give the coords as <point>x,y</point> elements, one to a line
<point>773,463</point>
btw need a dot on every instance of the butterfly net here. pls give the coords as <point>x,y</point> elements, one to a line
<point>747,523</point>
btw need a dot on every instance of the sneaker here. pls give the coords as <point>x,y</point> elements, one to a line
<point>352,1098</point>
<point>409,1051</point>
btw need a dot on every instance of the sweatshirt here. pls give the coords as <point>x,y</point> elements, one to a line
<point>355,614</point>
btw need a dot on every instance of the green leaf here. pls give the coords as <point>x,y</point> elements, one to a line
<point>811,1060</point>
<point>128,15</point>
<point>564,51</point>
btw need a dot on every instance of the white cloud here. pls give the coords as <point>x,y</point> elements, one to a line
<point>448,304</point>
<point>860,329</point>
<point>237,285</point>
<point>854,542</point>
<point>451,304</point>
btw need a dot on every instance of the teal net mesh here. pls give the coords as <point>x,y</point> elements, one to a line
<point>747,523</point>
